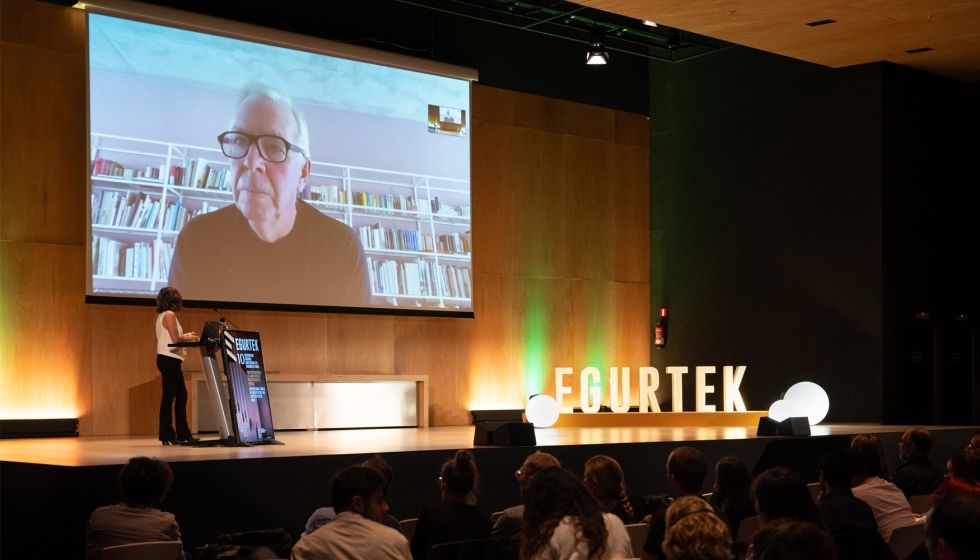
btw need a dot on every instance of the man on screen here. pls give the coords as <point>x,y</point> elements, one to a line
<point>269,246</point>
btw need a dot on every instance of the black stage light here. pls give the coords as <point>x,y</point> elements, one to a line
<point>502,428</point>
<point>40,427</point>
<point>597,49</point>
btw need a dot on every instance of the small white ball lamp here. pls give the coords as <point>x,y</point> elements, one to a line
<point>781,410</point>
<point>542,411</point>
<point>810,400</point>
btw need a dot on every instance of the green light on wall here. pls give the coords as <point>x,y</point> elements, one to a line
<point>535,326</point>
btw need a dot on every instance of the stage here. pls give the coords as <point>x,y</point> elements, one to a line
<point>58,482</point>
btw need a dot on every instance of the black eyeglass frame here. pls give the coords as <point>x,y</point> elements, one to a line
<point>253,139</point>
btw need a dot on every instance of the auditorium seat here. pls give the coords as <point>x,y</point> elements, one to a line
<point>863,545</point>
<point>814,490</point>
<point>905,539</point>
<point>495,516</point>
<point>167,550</point>
<point>747,530</point>
<point>920,504</point>
<point>476,549</point>
<point>638,535</point>
<point>408,527</point>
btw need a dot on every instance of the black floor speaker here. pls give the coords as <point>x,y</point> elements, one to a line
<point>799,426</point>
<point>510,434</point>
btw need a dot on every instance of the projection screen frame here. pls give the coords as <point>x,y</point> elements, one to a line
<point>189,21</point>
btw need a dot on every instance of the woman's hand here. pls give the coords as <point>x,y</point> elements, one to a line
<point>190,337</point>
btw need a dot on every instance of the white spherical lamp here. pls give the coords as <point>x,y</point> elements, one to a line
<point>810,400</point>
<point>781,410</point>
<point>542,411</point>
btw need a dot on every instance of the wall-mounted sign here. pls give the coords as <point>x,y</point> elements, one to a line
<point>590,380</point>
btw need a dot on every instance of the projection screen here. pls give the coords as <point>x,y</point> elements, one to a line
<point>248,174</point>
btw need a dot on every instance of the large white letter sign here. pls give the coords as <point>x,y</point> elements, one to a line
<point>702,388</point>
<point>733,378</point>
<point>677,390</point>
<point>649,383</point>
<point>561,390</point>
<point>614,392</point>
<point>591,374</point>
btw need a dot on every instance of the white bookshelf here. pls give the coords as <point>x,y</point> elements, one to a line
<point>139,153</point>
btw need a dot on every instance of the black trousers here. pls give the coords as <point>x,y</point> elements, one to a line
<point>173,388</point>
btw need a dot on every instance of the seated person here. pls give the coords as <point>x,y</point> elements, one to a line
<point>962,476</point>
<point>732,491</point>
<point>604,478</point>
<point>694,532</point>
<point>973,448</point>
<point>871,441</point>
<point>455,518</point>
<point>850,521</point>
<point>143,483</point>
<point>686,469</point>
<point>563,521</point>
<point>781,495</point>
<point>507,528</point>
<point>793,540</point>
<point>356,532</point>
<point>325,515</point>
<point>952,528</point>
<point>888,503</point>
<point>917,476</point>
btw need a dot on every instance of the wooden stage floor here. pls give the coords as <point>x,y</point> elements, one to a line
<point>114,450</point>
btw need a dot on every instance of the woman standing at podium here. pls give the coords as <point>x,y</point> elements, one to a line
<point>169,359</point>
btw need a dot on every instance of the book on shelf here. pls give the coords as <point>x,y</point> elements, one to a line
<point>328,193</point>
<point>177,214</point>
<point>455,243</point>
<point>377,237</point>
<point>148,260</point>
<point>108,168</point>
<point>419,278</point>
<point>197,173</point>
<point>132,209</point>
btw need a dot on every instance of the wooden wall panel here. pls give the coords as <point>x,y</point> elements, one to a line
<point>43,149</point>
<point>561,272</point>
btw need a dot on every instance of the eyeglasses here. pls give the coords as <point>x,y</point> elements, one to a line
<point>517,474</point>
<point>272,148</point>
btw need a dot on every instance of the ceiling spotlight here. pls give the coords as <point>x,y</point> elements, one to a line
<point>597,49</point>
<point>650,23</point>
<point>673,38</point>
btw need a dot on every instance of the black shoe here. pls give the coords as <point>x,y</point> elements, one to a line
<point>188,439</point>
<point>172,441</point>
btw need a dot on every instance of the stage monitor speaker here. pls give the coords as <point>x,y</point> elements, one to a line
<point>799,426</point>
<point>511,434</point>
<point>767,427</point>
<point>800,455</point>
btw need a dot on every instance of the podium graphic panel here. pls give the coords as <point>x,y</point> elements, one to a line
<point>251,412</point>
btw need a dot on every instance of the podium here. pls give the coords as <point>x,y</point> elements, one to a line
<point>242,414</point>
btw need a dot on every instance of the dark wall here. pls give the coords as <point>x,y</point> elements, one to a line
<point>766,225</point>
<point>505,57</point>
<point>930,247</point>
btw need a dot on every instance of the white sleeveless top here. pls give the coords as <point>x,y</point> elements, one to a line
<point>163,339</point>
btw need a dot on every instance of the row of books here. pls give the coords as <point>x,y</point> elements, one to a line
<point>455,243</point>
<point>149,260</point>
<point>109,168</point>
<point>337,195</point>
<point>420,278</point>
<point>199,174</point>
<point>377,237</point>
<point>139,210</point>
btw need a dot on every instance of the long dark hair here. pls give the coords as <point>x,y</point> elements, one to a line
<point>781,494</point>
<point>553,495</point>
<point>606,478</point>
<point>169,299</point>
<point>733,483</point>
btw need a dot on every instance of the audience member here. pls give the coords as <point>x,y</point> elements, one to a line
<point>962,476</point>
<point>686,469</point>
<point>872,441</point>
<point>917,475</point>
<point>793,540</point>
<point>694,532</point>
<point>357,532</point>
<point>732,491</point>
<point>840,511</point>
<point>143,484</point>
<point>324,515</point>
<point>952,528</point>
<point>888,503</point>
<point>454,518</point>
<point>507,528</point>
<point>973,448</point>
<point>563,521</point>
<point>604,478</point>
<point>781,495</point>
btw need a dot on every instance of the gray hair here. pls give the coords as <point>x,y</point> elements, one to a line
<point>258,89</point>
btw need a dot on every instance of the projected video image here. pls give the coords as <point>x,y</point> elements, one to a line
<point>240,172</point>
